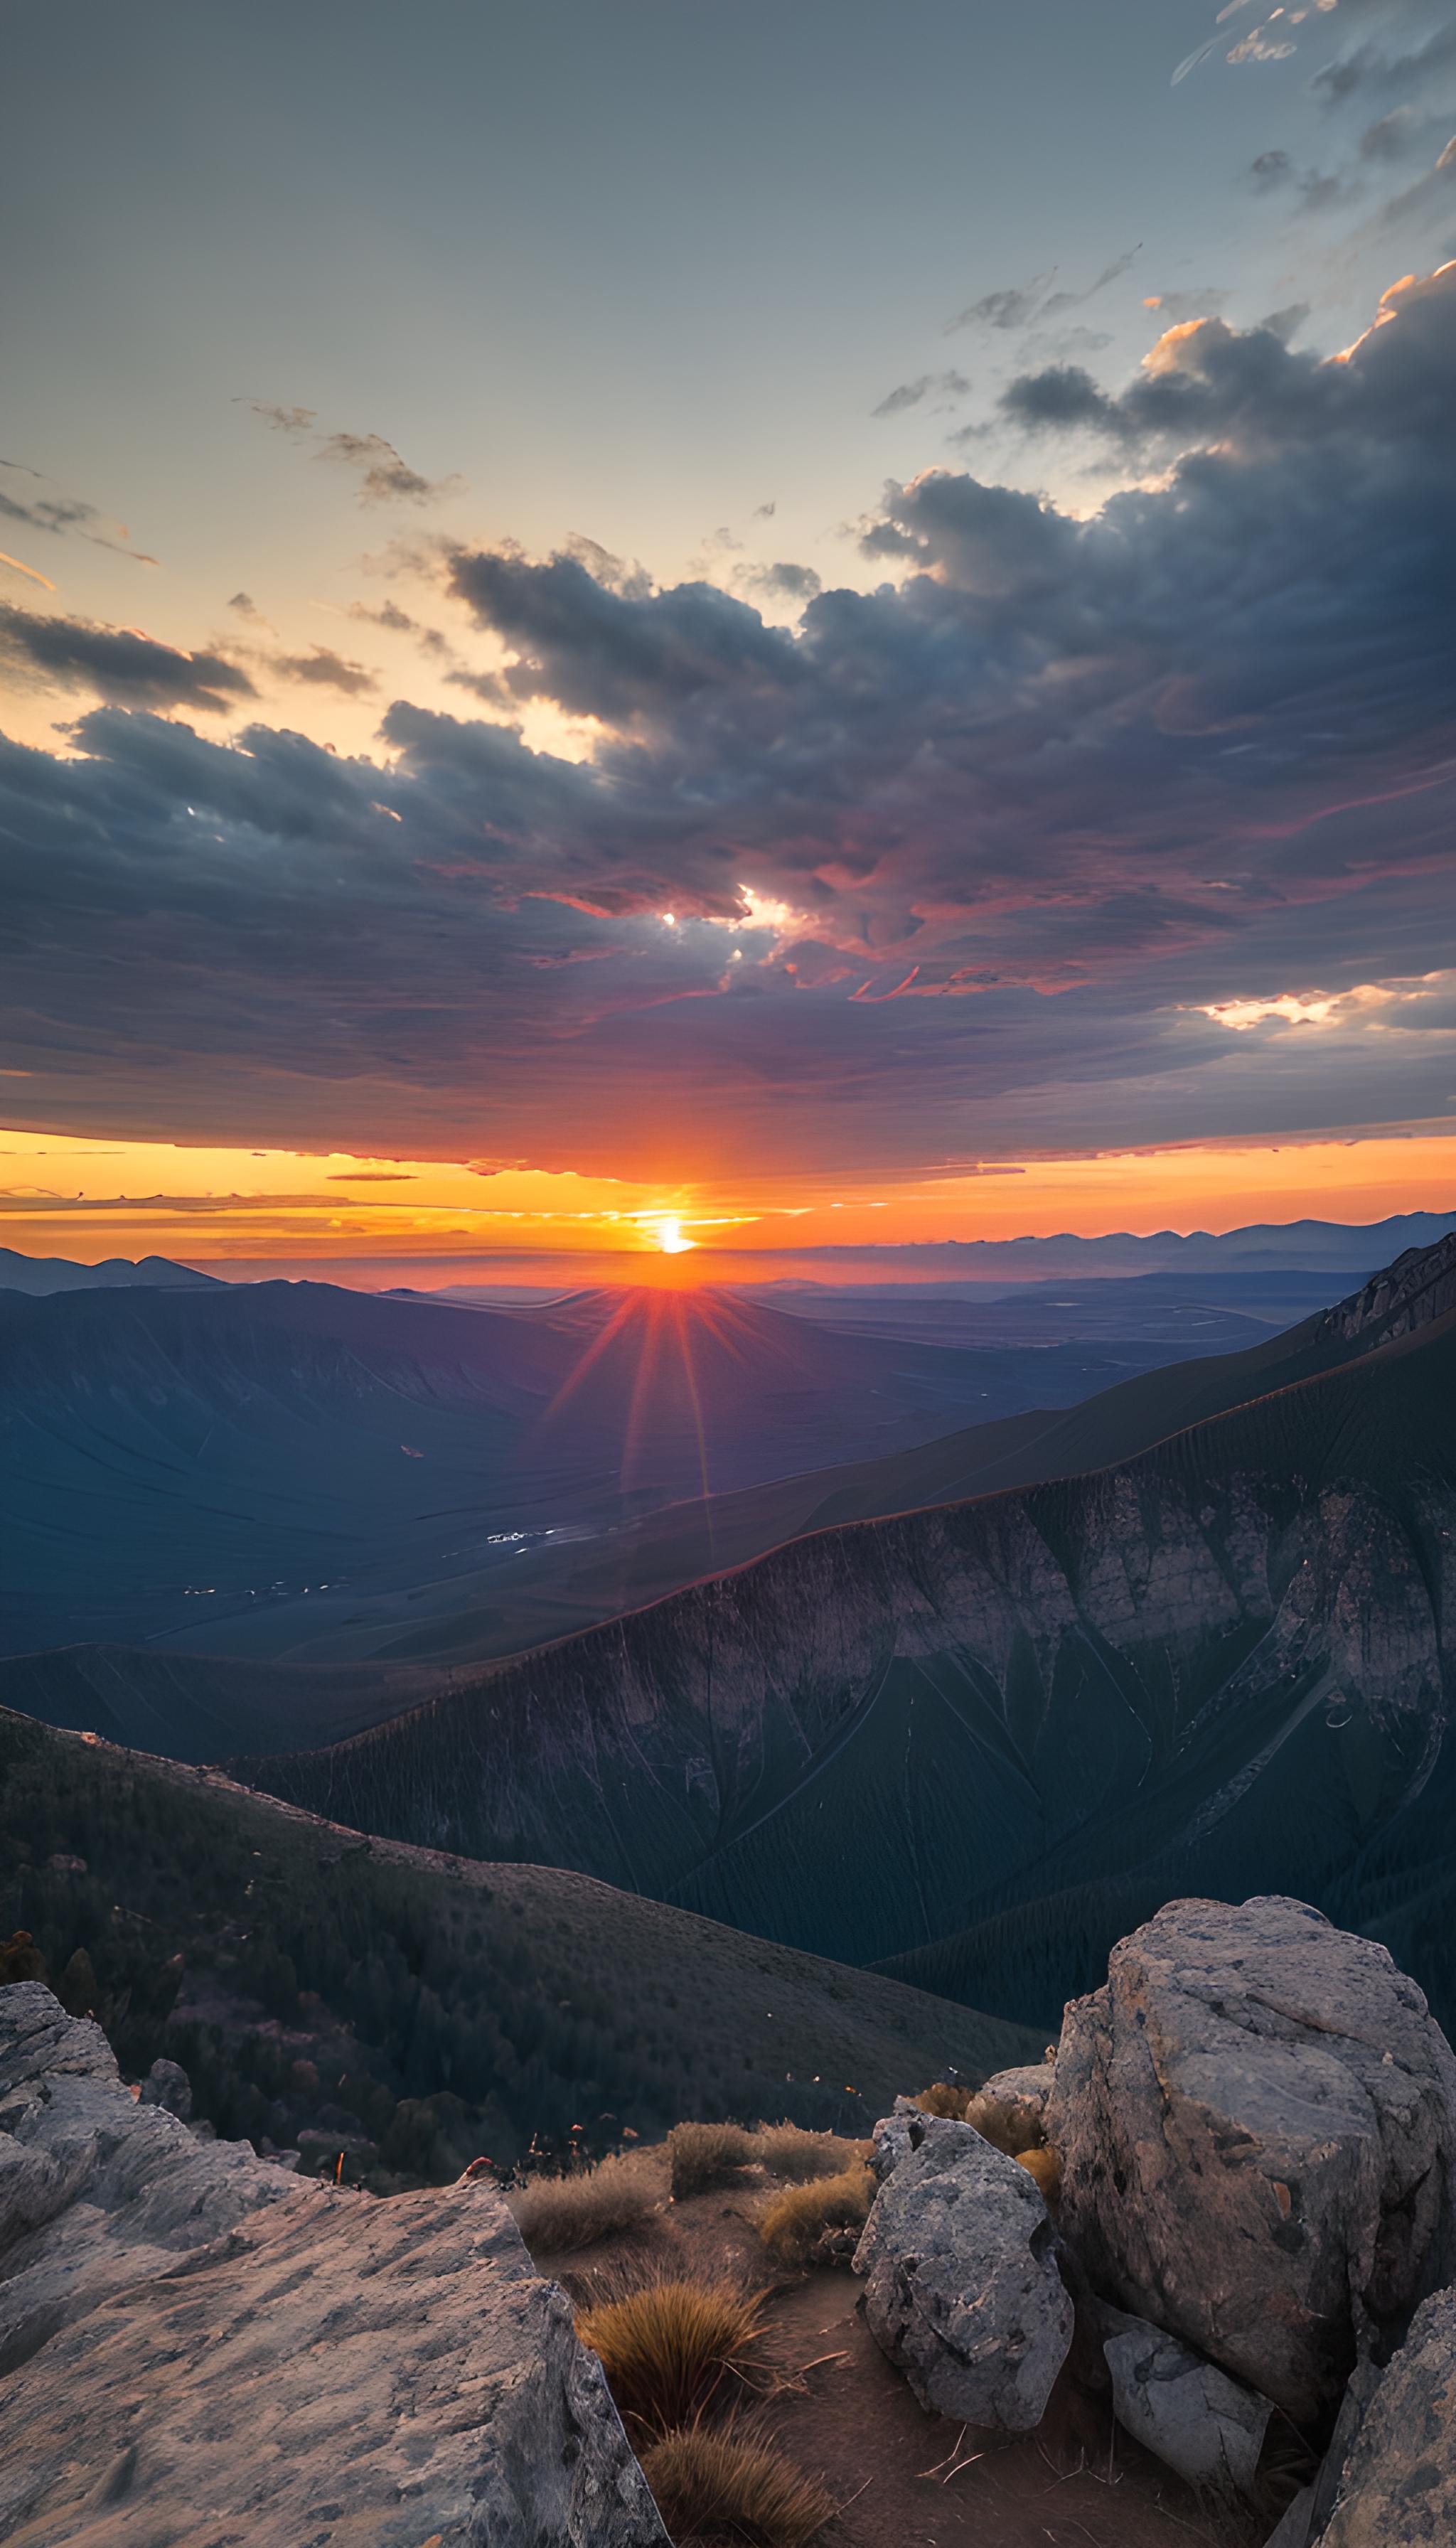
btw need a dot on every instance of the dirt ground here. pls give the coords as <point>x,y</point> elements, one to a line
<point>902,2477</point>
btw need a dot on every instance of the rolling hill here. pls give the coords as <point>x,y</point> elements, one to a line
<point>1224,1661</point>
<point>415,2010</point>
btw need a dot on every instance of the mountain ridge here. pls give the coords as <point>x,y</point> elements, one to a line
<point>880,1724</point>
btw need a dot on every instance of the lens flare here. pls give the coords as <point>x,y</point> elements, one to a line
<point>668,1231</point>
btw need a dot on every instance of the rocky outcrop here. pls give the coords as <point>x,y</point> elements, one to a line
<point>198,2347</point>
<point>1190,2415</point>
<point>1256,2119</point>
<point>962,2285</point>
<point>1397,2488</point>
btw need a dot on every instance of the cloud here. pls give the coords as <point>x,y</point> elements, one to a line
<point>943,386</point>
<point>384,478</point>
<point>782,583</point>
<point>1274,172</point>
<point>1174,306</point>
<point>970,864</point>
<point>327,671</point>
<point>1014,306</point>
<point>117,663</point>
<point>57,516</point>
<point>246,607</point>
<point>1018,305</point>
<point>284,419</point>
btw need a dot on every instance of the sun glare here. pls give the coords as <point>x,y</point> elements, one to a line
<point>667,1232</point>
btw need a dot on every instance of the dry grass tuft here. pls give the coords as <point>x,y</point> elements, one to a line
<point>554,2212</point>
<point>668,2348</point>
<point>703,2155</point>
<point>1001,2120</point>
<point>787,2151</point>
<point>717,2489</point>
<point>793,2224</point>
<point>945,2100</point>
<point>1044,2168</point>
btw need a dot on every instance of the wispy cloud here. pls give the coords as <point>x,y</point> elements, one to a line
<point>943,387</point>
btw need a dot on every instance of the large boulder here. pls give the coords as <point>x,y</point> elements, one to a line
<point>962,2285</point>
<point>1398,2483</point>
<point>194,2344</point>
<point>1256,2122</point>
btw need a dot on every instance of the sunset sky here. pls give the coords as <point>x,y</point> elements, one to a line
<point>642,621</point>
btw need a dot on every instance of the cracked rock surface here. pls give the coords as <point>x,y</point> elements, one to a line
<point>1398,2486</point>
<point>961,2288</point>
<point>197,2348</point>
<point>1256,2119</point>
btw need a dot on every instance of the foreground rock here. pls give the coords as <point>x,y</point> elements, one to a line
<point>1398,2485</point>
<point>1256,2119</point>
<point>962,2286</point>
<point>1190,2415</point>
<point>197,2349</point>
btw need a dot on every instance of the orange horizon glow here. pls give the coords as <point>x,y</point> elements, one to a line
<point>280,1209</point>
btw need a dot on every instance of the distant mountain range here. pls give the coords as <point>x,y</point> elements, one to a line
<point>978,1740</point>
<point>1347,1248</point>
<point>1197,1640</point>
<point>39,1275</point>
<point>281,1464</point>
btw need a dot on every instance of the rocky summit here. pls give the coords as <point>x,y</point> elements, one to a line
<point>199,2348</point>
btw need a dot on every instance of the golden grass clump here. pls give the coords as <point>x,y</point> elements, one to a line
<point>943,2099</point>
<point>702,2156</point>
<point>792,2224</point>
<point>1045,2168</point>
<point>667,2347</point>
<point>788,2152</point>
<point>554,2212</point>
<point>713,2488</point>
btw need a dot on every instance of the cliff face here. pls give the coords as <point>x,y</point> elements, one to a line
<point>1228,1658</point>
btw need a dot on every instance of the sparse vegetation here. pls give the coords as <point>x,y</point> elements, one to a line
<point>1044,2168</point>
<point>702,2156</point>
<point>1004,2122</point>
<point>668,2346</point>
<point>944,2099</point>
<point>787,2151</point>
<point>715,2489</point>
<point>793,2226</point>
<point>585,2203</point>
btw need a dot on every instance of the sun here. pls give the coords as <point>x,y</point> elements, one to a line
<point>668,1231</point>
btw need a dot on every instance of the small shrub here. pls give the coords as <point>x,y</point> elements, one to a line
<point>788,2151</point>
<point>713,2488</point>
<point>943,2099</point>
<point>554,2212</point>
<point>703,2155</point>
<point>792,2225</point>
<point>1007,2124</point>
<point>1044,2168</point>
<point>667,2347</point>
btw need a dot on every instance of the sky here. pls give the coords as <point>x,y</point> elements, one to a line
<point>647,624</point>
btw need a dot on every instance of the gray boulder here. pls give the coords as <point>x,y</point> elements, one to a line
<point>897,2135</point>
<point>1256,2122</point>
<point>1398,2483</point>
<point>1190,2415</point>
<point>962,2286</point>
<point>167,2084</point>
<point>195,2345</point>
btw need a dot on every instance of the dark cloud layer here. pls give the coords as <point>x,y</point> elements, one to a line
<point>956,868</point>
<point>117,663</point>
